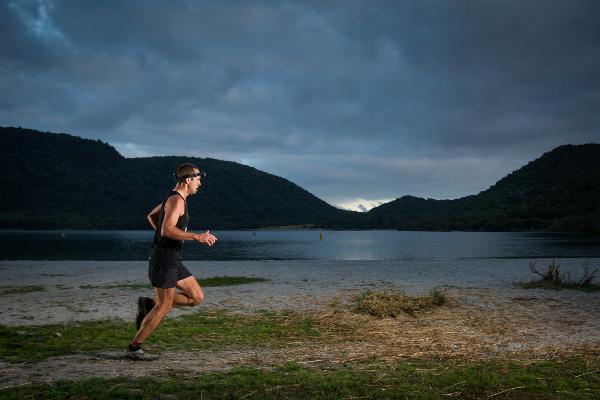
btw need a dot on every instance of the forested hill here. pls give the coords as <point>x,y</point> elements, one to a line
<point>560,191</point>
<point>58,180</point>
<point>62,181</point>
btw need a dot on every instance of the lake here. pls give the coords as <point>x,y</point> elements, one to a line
<point>302,245</point>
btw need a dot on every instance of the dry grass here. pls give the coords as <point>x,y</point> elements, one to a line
<point>384,330</point>
<point>391,304</point>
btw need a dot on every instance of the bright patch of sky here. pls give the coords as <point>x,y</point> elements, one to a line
<point>362,205</point>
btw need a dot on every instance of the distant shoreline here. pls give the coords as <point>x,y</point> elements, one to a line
<point>291,228</point>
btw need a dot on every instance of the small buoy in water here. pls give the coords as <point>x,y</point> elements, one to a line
<point>62,234</point>
<point>253,233</point>
<point>320,236</point>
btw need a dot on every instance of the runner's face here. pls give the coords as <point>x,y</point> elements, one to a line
<point>196,182</point>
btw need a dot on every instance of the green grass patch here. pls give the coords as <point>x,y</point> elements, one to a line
<point>124,285</point>
<point>392,304</point>
<point>567,379</point>
<point>215,331</point>
<point>201,331</point>
<point>229,280</point>
<point>20,289</point>
<point>541,284</point>
<point>213,281</point>
<point>35,343</point>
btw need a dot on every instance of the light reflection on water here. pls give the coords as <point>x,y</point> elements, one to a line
<point>302,245</point>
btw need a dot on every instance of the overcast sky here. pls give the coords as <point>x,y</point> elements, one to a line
<point>359,102</point>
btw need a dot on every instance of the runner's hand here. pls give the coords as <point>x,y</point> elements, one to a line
<point>206,238</point>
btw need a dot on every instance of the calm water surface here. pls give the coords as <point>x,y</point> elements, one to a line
<point>302,245</point>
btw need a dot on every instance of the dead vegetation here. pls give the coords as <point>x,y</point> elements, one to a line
<point>382,329</point>
<point>391,304</point>
<point>554,278</point>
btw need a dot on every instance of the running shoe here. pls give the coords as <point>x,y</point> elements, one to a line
<point>149,303</point>
<point>140,355</point>
<point>145,305</point>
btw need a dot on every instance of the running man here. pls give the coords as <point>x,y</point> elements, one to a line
<point>165,270</point>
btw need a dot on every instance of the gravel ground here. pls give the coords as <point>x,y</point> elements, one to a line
<point>483,321</point>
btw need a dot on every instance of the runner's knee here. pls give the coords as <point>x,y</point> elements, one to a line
<point>164,308</point>
<point>198,298</point>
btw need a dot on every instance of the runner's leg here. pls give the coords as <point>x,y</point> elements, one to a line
<point>191,293</point>
<point>164,302</point>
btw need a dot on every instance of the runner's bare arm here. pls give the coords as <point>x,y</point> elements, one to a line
<point>174,208</point>
<point>153,216</point>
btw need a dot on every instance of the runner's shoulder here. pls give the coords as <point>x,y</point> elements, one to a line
<point>174,202</point>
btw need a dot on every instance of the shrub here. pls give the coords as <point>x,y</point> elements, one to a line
<point>553,278</point>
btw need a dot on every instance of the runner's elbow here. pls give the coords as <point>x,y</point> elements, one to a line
<point>165,231</point>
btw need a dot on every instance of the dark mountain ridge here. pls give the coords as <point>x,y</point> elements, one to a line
<point>59,181</point>
<point>53,181</point>
<point>560,191</point>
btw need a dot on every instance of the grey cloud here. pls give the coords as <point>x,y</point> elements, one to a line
<point>332,95</point>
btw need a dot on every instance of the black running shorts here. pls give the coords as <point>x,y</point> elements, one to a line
<point>165,269</point>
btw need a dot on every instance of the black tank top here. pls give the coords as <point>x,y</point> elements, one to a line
<point>165,243</point>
